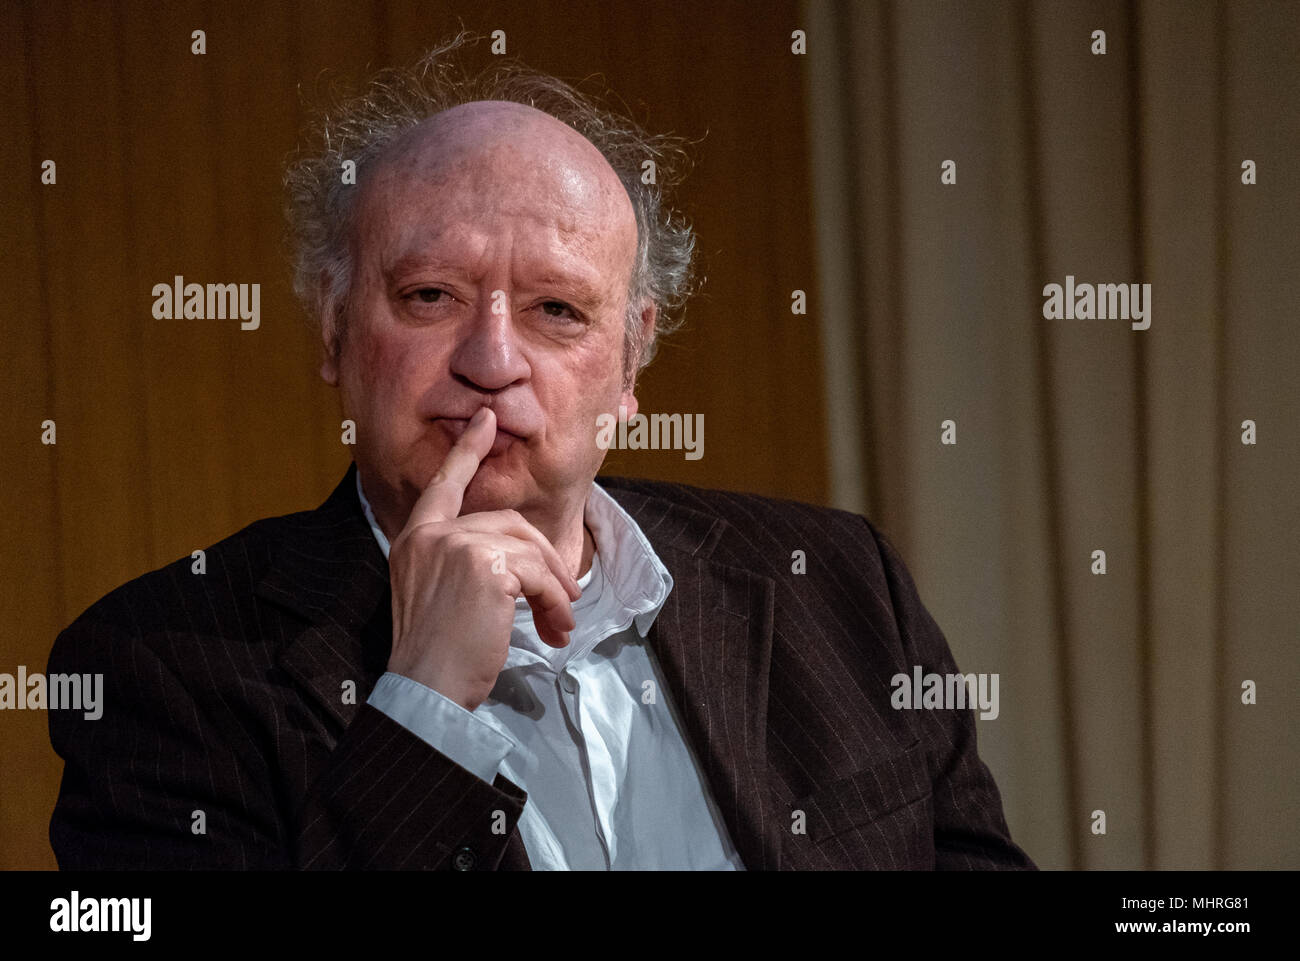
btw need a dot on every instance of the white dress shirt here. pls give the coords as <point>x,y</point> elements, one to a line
<point>589,730</point>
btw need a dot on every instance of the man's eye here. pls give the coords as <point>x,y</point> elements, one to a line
<point>428,295</point>
<point>556,308</point>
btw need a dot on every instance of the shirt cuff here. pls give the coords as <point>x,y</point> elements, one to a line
<point>444,725</point>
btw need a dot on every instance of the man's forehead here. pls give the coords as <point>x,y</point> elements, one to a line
<point>468,171</point>
<point>493,135</point>
<point>430,233</point>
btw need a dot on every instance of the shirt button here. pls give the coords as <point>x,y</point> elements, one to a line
<point>569,683</point>
<point>464,859</point>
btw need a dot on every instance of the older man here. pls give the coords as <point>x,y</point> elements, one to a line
<point>472,655</point>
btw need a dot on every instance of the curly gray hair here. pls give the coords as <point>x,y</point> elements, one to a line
<point>320,206</point>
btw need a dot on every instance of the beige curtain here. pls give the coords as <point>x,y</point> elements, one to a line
<point>173,435</point>
<point>1120,692</point>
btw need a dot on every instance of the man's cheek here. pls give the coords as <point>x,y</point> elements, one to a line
<point>585,437</point>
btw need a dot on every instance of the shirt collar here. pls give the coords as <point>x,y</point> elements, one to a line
<point>631,568</point>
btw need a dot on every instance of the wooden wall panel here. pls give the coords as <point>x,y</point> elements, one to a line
<point>174,434</point>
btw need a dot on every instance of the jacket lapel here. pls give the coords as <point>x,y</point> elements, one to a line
<point>328,569</point>
<point>713,638</point>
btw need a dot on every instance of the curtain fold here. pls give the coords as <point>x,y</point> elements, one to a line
<point>1121,691</point>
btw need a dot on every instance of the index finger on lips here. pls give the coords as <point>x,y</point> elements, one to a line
<point>442,498</point>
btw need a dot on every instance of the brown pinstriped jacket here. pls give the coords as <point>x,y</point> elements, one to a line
<point>224,693</point>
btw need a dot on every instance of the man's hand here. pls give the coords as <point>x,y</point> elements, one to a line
<point>455,580</point>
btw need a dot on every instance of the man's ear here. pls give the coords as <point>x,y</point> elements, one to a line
<point>645,332</point>
<point>329,368</point>
<point>329,329</point>
<point>627,404</point>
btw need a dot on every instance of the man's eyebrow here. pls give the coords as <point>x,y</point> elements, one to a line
<point>581,287</point>
<point>577,285</point>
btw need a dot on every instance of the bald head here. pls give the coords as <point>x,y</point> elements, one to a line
<point>494,250</point>
<point>426,118</point>
<point>494,160</point>
<point>487,254</point>
<point>540,145</point>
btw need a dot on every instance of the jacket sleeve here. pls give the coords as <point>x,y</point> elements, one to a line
<point>155,782</point>
<point>970,830</point>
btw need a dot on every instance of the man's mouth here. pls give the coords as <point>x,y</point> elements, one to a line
<point>455,426</point>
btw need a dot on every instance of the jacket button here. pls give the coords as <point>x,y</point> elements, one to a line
<point>464,859</point>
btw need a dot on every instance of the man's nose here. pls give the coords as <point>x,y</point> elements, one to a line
<point>487,356</point>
